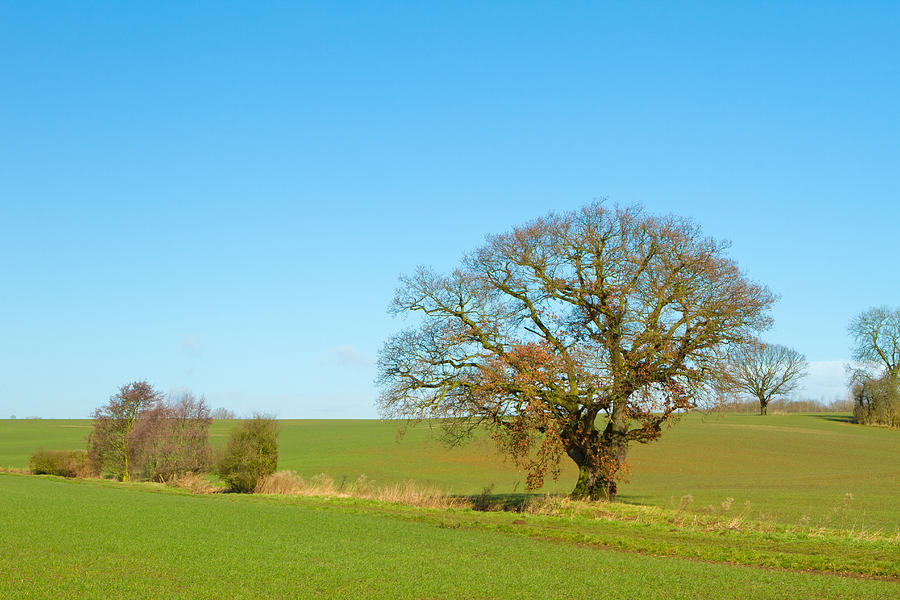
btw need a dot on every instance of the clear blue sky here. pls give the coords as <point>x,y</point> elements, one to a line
<point>221,198</point>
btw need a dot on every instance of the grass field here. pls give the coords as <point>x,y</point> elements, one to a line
<point>100,539</point>
<point>769,516</point>
<point>790,468</point>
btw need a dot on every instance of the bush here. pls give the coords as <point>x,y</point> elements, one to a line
<point>171,439</point>
<point>251,454</point>
<point>142,434</point>
<point>65,463</point>
<point>877,402</point>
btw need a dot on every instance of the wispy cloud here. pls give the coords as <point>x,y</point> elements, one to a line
<point>189,344</point>
<point>348,356</point>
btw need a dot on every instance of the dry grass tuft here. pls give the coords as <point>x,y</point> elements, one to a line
<point>194,483</point>
<point>286,483</point>
<point>14,470</point>
<point>414,494</point>
<point>322,485</point>
<point>363,487</point>
<point>409,493</point>
<point>553,505</point>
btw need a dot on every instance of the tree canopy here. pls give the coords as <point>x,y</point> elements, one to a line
<point>575,334</point>
<point>876,339</point>
<point>876,383</point>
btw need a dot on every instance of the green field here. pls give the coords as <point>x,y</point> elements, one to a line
<point>99,539</point>
<point>789,530</point>
<point>790,468</point>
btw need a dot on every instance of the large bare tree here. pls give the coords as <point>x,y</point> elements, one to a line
<point>766,371</point>
<point>575,334</point>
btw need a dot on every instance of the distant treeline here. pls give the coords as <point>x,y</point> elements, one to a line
<point>788,406</point>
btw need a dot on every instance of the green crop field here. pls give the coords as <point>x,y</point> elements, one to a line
<point>724,506</point>
<point>785,469</point>
<point>99,539</point>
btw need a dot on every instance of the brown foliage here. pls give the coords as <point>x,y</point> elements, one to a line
<point>172,438</point>
<point>141,434</point>
<point>575,334</point>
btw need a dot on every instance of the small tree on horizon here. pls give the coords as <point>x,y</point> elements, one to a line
<point>223,413</point>
<point>765,371</point>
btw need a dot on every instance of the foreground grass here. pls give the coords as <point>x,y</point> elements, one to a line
<point>649,530</point>
<point>88,539</point>
<point>784,469</point>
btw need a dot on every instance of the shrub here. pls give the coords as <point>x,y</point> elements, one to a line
<point>140,433</point>
<point>65,463</point>
<point>251,454</point>
<point>877,401</point>
<point>171,439</point>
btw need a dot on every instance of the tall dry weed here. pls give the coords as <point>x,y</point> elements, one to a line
<point>322,485</point>
<point>409,493</point>
<point>286,483</point>
<point>413,494</point>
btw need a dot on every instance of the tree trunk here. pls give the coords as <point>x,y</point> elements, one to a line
<point>124,459</point>
<point>599,462</point>
<point>590,485</point>
<point>763,404</point>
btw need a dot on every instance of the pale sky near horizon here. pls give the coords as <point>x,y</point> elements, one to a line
<point>220,197</point>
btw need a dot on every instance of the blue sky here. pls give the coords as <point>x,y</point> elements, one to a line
<point>221,197</point>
